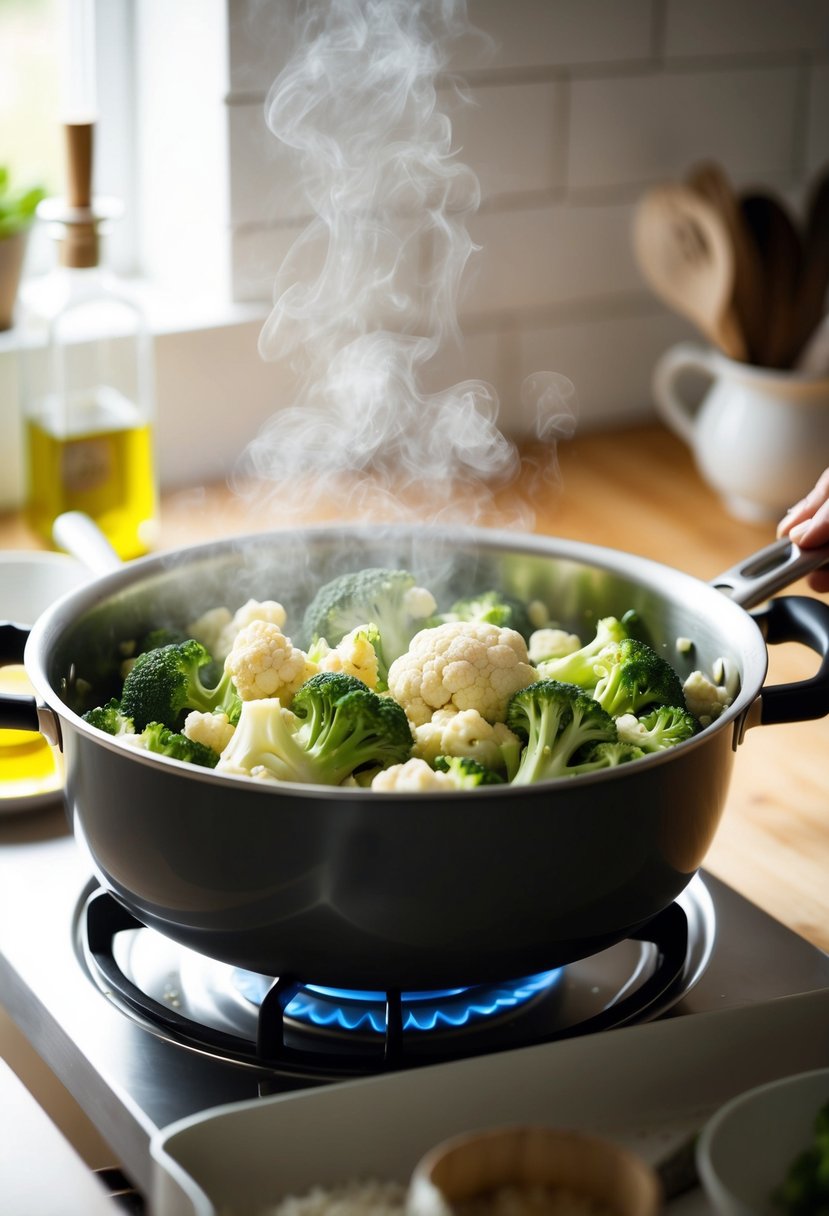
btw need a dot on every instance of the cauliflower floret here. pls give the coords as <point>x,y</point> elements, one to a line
<point>705,699</point>
<point>413,776</point>
<point>208,629</point>
<point>263,662</point>
<point>354,655</point>
<point>419,603</point>
<point>213,730</point>
<point>630,729</point>
<point>552,644</point>
<point>463,732</point>
<point>218,628</point>
<point>461,665</point>
<point>252,610</point>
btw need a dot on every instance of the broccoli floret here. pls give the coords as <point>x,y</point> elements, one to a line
<point>335,727</point>
<point>162,636</point>
<point>110,718</point>
<point>493,607</point>
<point>159,738</point>
<point>662,727</point>
<point>633,677</point>
<point>556,720</point>
<point>164,683</point>
<point>388,600</point>
<point>804,1191</point>
<point>467,772</point>
<point>605,755</point>
<point>578,667</point>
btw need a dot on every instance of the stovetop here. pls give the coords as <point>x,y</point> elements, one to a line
<point>131,1081</point>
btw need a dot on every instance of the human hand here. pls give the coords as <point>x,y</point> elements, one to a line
<point>807,524</point>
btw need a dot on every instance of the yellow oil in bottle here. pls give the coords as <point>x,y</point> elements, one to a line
<point>103,466</point>
<point>29,766</point>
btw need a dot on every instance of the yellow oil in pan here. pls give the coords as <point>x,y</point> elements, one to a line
<point>30,768</point>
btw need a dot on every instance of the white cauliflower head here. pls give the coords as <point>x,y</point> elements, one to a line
<point>461,665</point>
<point>414,776</point>
<point>705,699</point>
<point>212,729</point>
<point>252,610</point>
<point>217,628</point>
<point>552,643</point>
<point>354,655</point>
<point>463,732</point>
<point>263,662</point>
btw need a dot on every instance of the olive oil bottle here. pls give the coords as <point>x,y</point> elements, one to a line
<point>87,379</point>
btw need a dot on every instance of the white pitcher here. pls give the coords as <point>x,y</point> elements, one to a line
<point>760,438</point>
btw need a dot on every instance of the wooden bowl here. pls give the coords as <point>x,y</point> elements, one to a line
<point>471,1167</point>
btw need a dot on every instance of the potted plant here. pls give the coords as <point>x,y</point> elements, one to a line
<point>17,211</point>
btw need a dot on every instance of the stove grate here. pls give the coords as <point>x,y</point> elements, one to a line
<point>280,1046</point>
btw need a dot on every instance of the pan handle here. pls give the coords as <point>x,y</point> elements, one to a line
<point>17,711</point>
<point>768,571</point>
<point>79,535</point>
<point>796,618</point>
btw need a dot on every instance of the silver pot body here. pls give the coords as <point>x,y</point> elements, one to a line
<point>353,888</point>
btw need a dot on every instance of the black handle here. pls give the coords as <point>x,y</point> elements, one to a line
<point>796,618</point>
<point>17,712</point>
<point>13,640</point>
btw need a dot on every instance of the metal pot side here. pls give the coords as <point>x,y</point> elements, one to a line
<point>348,887</point>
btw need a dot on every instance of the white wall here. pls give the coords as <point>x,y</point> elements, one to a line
<point>585,104</point>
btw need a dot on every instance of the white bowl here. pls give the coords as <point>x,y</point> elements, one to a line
<point>31,773</point>
<point>746,1148</point>
<point>31,581</point>
<point>493,1166</point>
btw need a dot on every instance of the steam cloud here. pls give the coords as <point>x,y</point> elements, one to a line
<point>368,294</point>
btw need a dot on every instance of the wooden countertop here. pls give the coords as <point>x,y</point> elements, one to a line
<point>635,490</point>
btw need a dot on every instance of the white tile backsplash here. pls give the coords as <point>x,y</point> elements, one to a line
<point>512,135</point>
<point>577,107</point>
<point>745,27</point>
<point>640,129</point>
<point>817,126</point>
<point>553,33</point>
<point>609,360</point>
<point>552,255</point>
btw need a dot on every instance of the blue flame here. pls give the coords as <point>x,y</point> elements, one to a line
<point>353,1009</point>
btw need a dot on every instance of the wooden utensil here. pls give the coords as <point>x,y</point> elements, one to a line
<point>710,181</point>
<point>685,253</point>
<point>778,245</point>
<point>814,278</point>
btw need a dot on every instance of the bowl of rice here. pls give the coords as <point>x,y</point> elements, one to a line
<point>532,1171</point>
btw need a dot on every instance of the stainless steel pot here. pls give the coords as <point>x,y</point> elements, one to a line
<point>353,888</point>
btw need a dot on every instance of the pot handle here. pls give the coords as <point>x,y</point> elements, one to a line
<point>17,711</point>
<point>796,618</point>
<point>768,571</point>
<point>79,535</point>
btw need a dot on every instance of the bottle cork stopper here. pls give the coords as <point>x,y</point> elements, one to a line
<point>79,246</point>
<point>79,164</point>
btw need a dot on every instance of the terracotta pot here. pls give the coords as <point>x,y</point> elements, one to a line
<point>12,253</point>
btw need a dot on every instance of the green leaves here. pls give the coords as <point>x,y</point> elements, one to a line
<point>17,207</point>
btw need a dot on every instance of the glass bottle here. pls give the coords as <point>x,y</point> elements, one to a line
<point>87,389</point>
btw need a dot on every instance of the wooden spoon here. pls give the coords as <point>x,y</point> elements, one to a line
<point>711,182</point>
<point>686,256</point>
<point>814,278</point>
<point>778,245</point>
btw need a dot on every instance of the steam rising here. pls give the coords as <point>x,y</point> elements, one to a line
<point>367,296</point>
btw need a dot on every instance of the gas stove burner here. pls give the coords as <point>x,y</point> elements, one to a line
<point>287,1028</point>
<point>352,1010</point>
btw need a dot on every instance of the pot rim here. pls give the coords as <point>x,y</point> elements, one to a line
<point>633,567</point>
